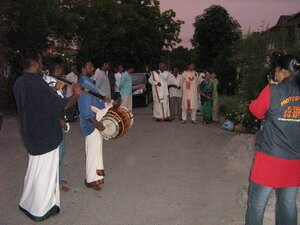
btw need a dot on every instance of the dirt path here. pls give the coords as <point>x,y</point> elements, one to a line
<point>157,174</point>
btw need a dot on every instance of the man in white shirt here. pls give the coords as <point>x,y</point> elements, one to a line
<point>118,77</point>
<point>71,113</point>
<point>72,77</point>
<point>102,81</point>
<point>159,82</point>
<point>175,93</point>
<point>189,83</point>
<point>56,68</point>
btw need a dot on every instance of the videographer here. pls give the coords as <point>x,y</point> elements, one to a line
<point>277,160</point>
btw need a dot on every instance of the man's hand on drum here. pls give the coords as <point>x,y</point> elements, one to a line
<point>98,125</point>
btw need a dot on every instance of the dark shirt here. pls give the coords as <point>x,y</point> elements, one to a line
<point>39,108</point>
<point>279,136</point>
<point>85,102</point>
<point>112,81</point>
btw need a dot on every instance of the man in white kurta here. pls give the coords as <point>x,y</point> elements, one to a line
<point>159,82</point>
<point>189,83</point>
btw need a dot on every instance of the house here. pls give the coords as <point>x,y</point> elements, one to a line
<point>285,34</point>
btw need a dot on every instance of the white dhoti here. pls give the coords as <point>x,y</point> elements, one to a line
<point>161,110</point>
<point>127,101</point>
<point>41,197</point>
<point>94,156</point>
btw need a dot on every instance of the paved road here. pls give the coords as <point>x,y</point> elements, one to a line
<point>157,174</point>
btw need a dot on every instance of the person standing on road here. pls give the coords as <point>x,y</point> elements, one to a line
<point>72,77</point>
<point>91,128</point>
<point>215,97</point>
<point>159,82</point>
<point>56,68</point>
<point>118,77</point>
<point>39,109</point>
<point>102,81</point>
<point>126,88</point>
<point>175,93</point>
<point>189,83</point>
<point>277,160</point>
<point>112,80</point>
<point>206,91</point>
<point>71,114</point>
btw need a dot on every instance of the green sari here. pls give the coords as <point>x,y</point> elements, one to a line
<point>207,89</point>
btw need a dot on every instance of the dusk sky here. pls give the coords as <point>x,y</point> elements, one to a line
<point>249,13</point>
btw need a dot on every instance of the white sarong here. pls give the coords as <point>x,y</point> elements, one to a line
<point>127,101</point>
<point>41,197</point>
<point>94,156</point>
<point>161,110</point>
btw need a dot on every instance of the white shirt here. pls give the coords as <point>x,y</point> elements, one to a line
<point>72,78</point>
<point>164,81</point>
<point>102,83</point>
<point>162,78</point>
<point>52,81</point>
<point>96,74</point>
<point>118,77</point>
<point>172,80</point>
<point>201,76</point>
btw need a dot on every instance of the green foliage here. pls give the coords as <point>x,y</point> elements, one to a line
<point>215,40</point>
<point>32,23</point>
<point>252,58</point>
<point>235,108</point>
<point>252,77</point>
<point>179,57</point>
<point>133,32</point>
<point>225,69</point>
<point>215,31</point>
<point>121,31</point>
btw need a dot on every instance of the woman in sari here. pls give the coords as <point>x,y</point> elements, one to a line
<point>206,91</point>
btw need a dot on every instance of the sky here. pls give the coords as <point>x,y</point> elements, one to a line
<point>256,14</point>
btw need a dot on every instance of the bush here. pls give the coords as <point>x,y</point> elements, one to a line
<point>225,69</point>
<point>235,108</point>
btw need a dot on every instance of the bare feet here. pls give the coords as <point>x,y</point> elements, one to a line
<point>64,189</point>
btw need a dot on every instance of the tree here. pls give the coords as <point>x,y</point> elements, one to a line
<point>215,40</point>
<point>127,31</point>
<point>37,23</point>
<point>179,57</point>
<point>215,31</point>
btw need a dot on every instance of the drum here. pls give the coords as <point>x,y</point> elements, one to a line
<point>117,122</point>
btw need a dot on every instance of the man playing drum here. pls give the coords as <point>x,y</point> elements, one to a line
<point>91,128</point>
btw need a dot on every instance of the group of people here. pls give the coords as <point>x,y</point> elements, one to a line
<point>41,93</point>
<point>276,164</point>
<point>181,94</point>
<point>113,84</point>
